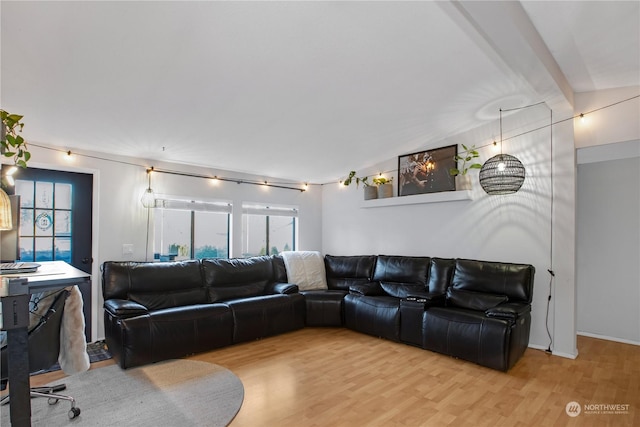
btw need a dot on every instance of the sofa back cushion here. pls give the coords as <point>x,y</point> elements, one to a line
<point>344,271</point>
<point>154,285</point>
<point>512,280</point>
<point>238,277</point>
<point>279,269</point>
<point>440,273</point>
<point>401,276</point>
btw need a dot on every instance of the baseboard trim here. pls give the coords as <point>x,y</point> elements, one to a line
<point>553,353</point>
<point>608,338</point>
<point>565,355</point>
<point>538,347</point>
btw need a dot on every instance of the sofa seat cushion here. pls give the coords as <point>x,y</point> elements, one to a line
<point>468,335</point>
<point>474,300</point>
<point>305,269</point>
<point>374,315</point>
<point>265,316</point>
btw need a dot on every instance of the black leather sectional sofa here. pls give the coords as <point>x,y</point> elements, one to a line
<point>473,310</point>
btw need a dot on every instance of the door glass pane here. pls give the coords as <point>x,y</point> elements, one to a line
<point>280,234</point>
<point>44,248</point>
<point>44,195</point>
<point>63,223</point>
<point>51,216</point>
<point>24,189</point>
<point>254,235</point>
<point>63,196</point>
<point>26,249</point>
<point>63,249</point>
<point>44,223</point>
<point>26,222</point>
<point>211,235</point>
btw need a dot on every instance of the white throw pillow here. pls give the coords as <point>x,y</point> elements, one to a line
<point>305,269</point>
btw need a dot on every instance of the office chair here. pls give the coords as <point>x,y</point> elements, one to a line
<point>44,347</point>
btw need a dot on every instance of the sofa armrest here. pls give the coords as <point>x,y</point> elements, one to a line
<point>508,310</point>
<point>124,308</point>
<point>281,288</point>
<point>367,289</point>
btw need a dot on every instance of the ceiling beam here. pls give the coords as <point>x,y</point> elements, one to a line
<point>504,31</point>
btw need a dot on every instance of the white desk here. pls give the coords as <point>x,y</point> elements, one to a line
<point>15,320</point>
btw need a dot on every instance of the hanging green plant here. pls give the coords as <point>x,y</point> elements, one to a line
<point>352,177</point>
<point>12,144</point>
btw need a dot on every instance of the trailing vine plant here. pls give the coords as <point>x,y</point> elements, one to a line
<point>12,144</point>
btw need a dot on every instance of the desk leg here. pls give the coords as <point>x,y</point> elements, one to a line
<point>19,393</point>
<point>15,320</point>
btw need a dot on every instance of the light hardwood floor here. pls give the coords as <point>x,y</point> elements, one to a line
<point>337,377</point>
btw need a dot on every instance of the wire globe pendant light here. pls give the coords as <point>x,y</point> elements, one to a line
<point>503,173</point>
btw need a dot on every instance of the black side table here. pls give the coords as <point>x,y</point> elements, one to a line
<point>411,313</point>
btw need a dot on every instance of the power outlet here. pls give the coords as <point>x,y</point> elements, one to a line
<point>127,249</point>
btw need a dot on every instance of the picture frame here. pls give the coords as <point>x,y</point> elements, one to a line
<point>427,171</point>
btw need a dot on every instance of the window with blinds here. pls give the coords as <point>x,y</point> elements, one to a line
<point>268,230</point>
<point>186,229</point>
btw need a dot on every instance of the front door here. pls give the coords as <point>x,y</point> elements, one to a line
<point>55,221</point>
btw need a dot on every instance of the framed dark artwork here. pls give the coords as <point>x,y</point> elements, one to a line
<point>427,171</point>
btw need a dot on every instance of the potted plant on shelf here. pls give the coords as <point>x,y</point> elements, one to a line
<point>370,191</point>
<point>463,181</point>
<point>385,188</point>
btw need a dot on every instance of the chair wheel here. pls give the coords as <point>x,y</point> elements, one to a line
<point>73,412</point>
<point>52,401</point>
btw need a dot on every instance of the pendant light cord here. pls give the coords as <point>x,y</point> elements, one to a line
<point>501,132</point>
<point>146,248</point>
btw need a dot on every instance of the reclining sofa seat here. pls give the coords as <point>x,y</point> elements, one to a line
<point>326,307</point>
<point>374,308</point>
<point>487,314</point>
<point>159,311</point>
<point>261,307</point>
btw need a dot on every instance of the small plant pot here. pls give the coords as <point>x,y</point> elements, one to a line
<point>463,182</point>
<point>385,190</point>
<point>370,192</point>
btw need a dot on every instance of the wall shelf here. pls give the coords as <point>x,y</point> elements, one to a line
<point>444,196</point>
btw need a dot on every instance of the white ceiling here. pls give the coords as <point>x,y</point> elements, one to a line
<point>300,90</point>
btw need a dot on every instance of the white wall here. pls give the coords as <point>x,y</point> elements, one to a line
<point>615,124</point>
<point>607,215</point>
<point>120,218</point>
<point>509,228</point>
<point>608,246</point>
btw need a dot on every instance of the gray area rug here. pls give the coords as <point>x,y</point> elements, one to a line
<point>172,393</point>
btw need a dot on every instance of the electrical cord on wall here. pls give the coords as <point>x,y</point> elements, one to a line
<point>553,275</point>
<point>550,269</point>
